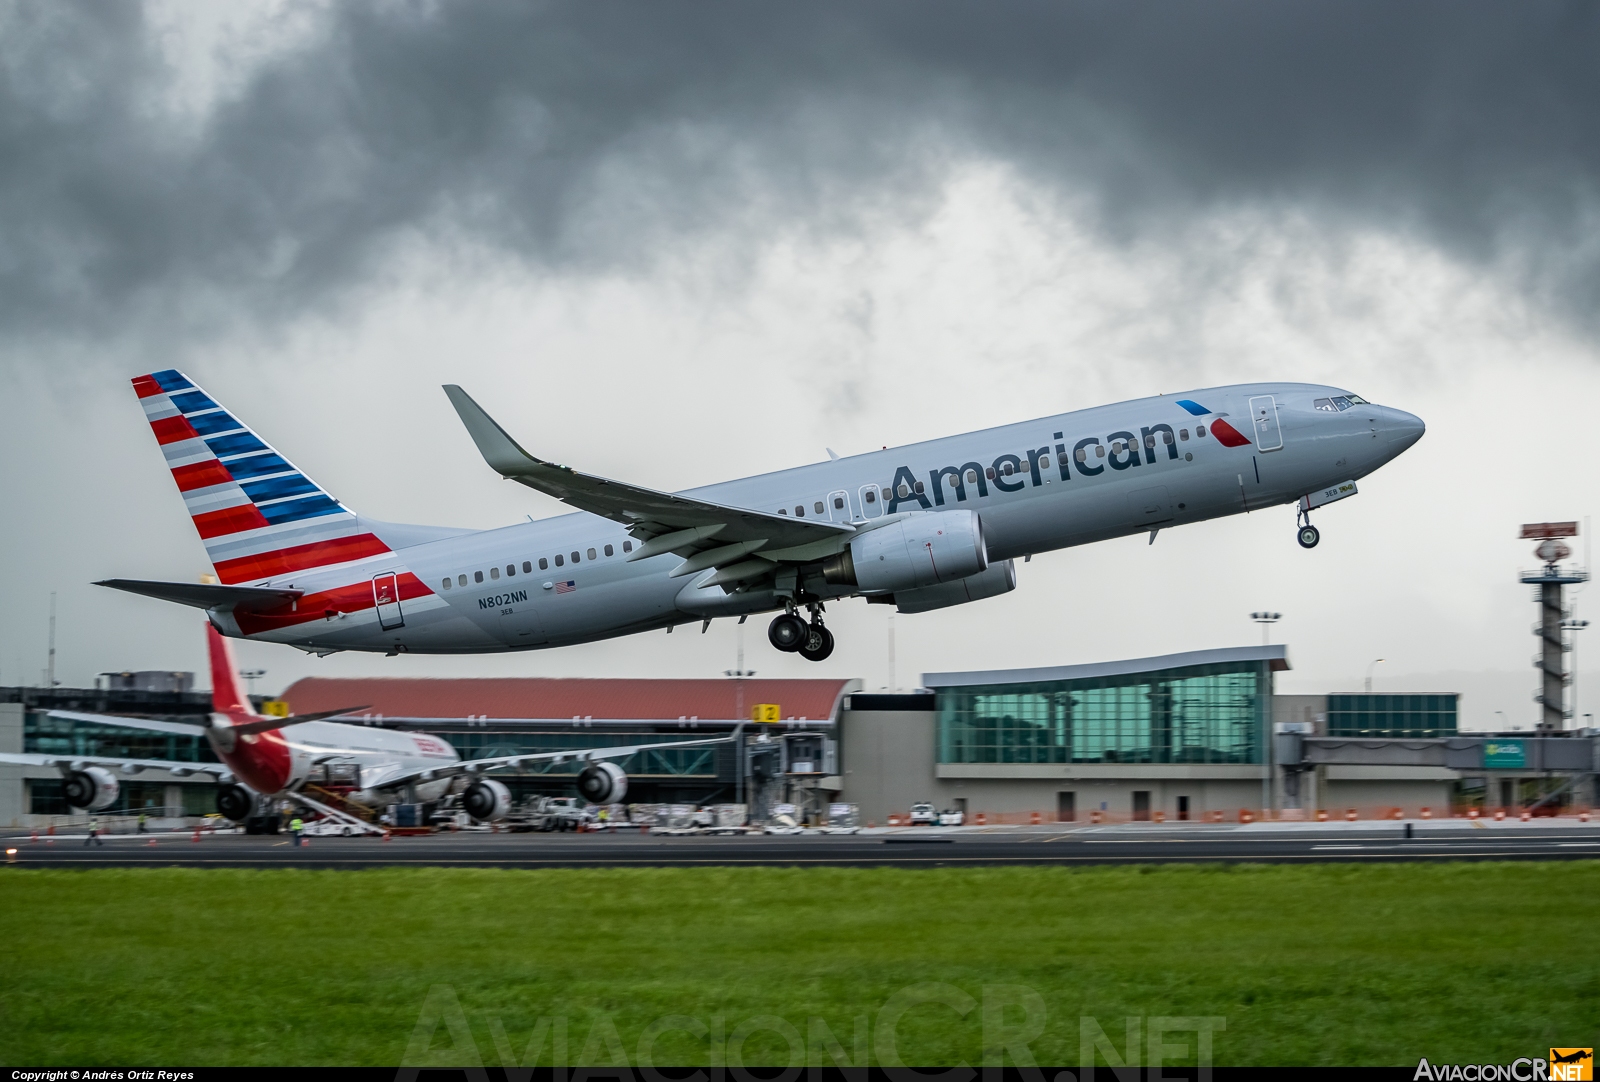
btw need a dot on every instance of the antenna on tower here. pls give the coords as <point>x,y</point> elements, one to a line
<point>1551,629</point>
<point>50,663</point>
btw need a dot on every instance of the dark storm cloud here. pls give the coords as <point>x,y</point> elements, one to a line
<point>592,135</point>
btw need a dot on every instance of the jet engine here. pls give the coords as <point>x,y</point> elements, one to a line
<point>602,783</point>
<point>1000,578</point>
<point>92,788</point>
<point>913,552</point>
<point>486,800</point>
<point>236,802</point>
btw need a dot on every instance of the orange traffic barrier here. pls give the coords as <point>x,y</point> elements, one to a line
<point>1583,816</point>
<point>386,834</point>
<point>1394,813</point>
<point>1094,816</point>
<point>1322,815</point>
<point>981,819</point>
<point>1473,813</point>
<point>1350,815</point>
<point>1526,815</point>
<point>196,835</point>
<point>1427,813</point>
<point>1035,818</point>
<point>152,841</point>
<point>1246,815</point>
<point>51,830</point>
<point>1499,814</point>
<point>35,837</point>
<point>1161,817</point>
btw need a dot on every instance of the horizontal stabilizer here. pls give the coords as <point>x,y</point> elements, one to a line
<point>263,725</point>
<point>203,595</point>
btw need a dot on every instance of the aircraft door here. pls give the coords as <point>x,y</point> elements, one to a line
<point>870,506</point>
<point>1264,412</point>
<point>386,595</point>
<point>839,506</point>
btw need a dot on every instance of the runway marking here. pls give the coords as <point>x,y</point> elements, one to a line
<point>1338,847</point>
<point>1574,845</point>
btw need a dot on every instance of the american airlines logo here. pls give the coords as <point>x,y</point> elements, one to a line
<point>1121,450</point>
<point>496,601</point>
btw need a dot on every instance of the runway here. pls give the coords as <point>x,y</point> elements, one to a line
<point>1055,844</point>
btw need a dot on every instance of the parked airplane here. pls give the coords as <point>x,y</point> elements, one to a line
<point>275,758</point>
<point>921,527</point>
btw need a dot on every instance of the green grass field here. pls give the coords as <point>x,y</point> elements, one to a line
<point>1337,964</point>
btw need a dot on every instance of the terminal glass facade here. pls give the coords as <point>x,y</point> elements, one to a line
<point>1195,714</point>
<point>45,735</point>
<point>1417,717</point>
<point>661,763</point>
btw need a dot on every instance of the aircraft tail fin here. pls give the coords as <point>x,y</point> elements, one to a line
<point>259,516</point>
<point>227,696</point>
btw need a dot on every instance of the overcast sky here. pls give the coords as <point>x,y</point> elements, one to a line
<point>677,243</point>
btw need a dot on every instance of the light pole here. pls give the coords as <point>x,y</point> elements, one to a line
<point>1574,626</point>
<point>252,675</point>
<point>1266,620</point>
<point>1375,662</point>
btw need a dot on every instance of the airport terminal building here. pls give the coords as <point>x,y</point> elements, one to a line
<point>1192,736</point>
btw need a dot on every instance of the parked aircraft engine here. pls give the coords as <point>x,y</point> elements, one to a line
<point>1000,578</point>
<point>92,788</point>
<point>236,802</point>
<point>486,800</point>
<point>917,551</point>
<point>602,783</point>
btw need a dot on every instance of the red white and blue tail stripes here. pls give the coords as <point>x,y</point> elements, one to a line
<point>259,516</point>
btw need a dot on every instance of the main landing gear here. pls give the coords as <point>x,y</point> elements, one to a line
<point>1307,534</point>
<point>793,635</point>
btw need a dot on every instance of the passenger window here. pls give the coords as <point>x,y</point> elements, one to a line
<point>818,508</point>
<point>1150,439</point>
<point>783,511</point>
<point>989,473</point>
<point>888,494</point>
<point>1062,458</point>
<point>799,511</point>
<point>1183,433</point>
<point>610,551</point>
<point>904,491</point>
<point>1099,450</point>
<point>1166,438</point>
<point>511,570</point>
<point>591,554</point>
<point>447,584</point>
<point>919,486</point>
<point>461,580</point>
<point>544,565</point>
<point>1010,469</point>
<point>871,495</point>
<point>494,572</point>
<point>972,477</point>
<point>527,568</point>
<point>1200,431</point>
<point>838,503</point>
<point>477,576</point>
<point>575,558</point>
<point>627,546</point>
<point>1083,456</point>
<point>559,560</point>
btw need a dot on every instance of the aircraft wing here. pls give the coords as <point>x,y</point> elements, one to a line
<point>710,534</point>
<point>511,762</point>
<point>215,771</point>
<point>260,725</point>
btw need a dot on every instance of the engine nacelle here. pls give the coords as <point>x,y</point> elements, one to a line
<point>92,788</point>
<point>1000,578</point>
<point>486,800</point>
<point>236,802</point>
<point>603,783</point>
<point>913,552</point>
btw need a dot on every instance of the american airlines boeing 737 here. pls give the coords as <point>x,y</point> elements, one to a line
<point>921,527</point>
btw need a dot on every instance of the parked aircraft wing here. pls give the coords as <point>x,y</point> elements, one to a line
<point>677,524</point>
<point>202,595</point>
<point>188,728</point>
<point>215,771</point>
<point>509,762</point>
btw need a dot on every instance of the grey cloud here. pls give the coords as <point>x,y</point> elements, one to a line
<point>593,135</point>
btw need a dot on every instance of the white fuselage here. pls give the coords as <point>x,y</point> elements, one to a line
<point>1049,502</point>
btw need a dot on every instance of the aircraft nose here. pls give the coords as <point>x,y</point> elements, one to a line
<point>1404,429</point>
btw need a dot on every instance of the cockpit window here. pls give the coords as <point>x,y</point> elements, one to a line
<point>1342,403</point>
<point>1356,400</point>
<point>1326,405</point>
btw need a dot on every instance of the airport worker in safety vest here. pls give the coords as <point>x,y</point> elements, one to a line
<point>295,827</point>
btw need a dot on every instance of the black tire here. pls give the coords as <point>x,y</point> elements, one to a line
<point>1308,537</point>
<point>788,633</point>
<point>819,644</point>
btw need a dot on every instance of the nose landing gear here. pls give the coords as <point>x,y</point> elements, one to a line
<point>1307,534</point>
<point>789,633</point>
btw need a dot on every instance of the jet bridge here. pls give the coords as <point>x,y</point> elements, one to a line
<point>1572,759</point>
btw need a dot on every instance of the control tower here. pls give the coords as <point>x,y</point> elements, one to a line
<point>1552,580</point>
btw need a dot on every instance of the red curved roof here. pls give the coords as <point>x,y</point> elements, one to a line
<point>538,697</point>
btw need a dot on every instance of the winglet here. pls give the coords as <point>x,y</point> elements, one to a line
<point>498,449</point>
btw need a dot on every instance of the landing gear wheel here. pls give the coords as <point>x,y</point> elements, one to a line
<point>819,643</point>
<point>1309,536</point>
<point>788,633</point>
